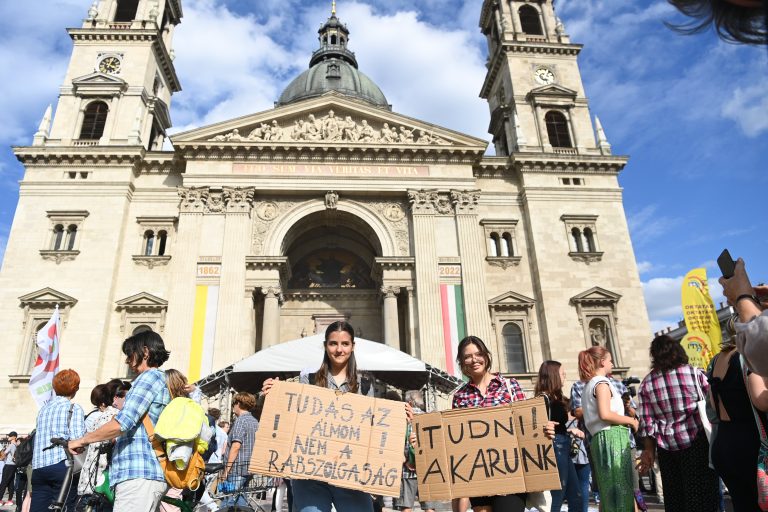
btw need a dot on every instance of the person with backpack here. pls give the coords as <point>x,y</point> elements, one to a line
<point>97,456</point>
<point>136,473</point>
<point>9,469</point>
<point>61,418</point>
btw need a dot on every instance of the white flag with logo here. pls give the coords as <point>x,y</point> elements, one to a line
<point>47,363</point>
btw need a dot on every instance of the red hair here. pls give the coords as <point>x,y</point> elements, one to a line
<point>589,361</point>
<point>66,383</point>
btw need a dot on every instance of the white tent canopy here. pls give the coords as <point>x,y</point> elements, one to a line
<point>305,355</point>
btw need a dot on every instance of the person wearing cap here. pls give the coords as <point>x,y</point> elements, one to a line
<point>9,469</point>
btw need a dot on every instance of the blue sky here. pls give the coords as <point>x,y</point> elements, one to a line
<point>692,112</point>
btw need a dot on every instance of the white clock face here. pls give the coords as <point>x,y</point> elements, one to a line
<point>544,76</point>
<point>110,65</point>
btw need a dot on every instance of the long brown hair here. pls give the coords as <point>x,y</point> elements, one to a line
<point>549,382</point>
<point>321,378</point>
<point>482,349</point>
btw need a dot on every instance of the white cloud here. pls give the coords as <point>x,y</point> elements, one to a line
<point>644,267</point>
<point>647,224</point>
<point>749,108</point>
<point>663,300</point>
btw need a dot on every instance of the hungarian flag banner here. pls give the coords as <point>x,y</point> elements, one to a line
<point>47,364</point>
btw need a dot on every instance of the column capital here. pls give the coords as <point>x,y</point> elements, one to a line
<point>271,292</point>
<point>389,292</point>
<point>429,202</point>
<point>465,201</point>
<point>238,200</point>
<point>193,199</point>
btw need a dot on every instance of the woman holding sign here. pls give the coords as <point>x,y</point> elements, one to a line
<point>338,372</point>
<point>486,389</point>
<point>605,420</point>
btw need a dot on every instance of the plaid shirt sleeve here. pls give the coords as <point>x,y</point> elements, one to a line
<point>138,400</point>
<point>238,432</point>
<point>516,390</point>
<point>576,391</point>
<point>647,423</point>
<point>77,424</point>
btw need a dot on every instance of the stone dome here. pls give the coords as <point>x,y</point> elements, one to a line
<point>333,74</point>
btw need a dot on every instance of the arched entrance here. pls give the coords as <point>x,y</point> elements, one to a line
<point>332,257</point>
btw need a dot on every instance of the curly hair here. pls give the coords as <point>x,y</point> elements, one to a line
<point>735,21</point>
<point>667,354</point>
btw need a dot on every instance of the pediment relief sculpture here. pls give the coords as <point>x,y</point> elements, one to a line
<point>333,128</point>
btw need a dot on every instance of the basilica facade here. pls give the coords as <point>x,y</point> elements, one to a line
<point>268,227</point>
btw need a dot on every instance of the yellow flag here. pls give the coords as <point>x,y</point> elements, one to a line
<point>704,336</point>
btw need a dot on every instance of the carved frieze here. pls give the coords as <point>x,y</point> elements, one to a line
<point>430,202</point>
<point>332,128</point>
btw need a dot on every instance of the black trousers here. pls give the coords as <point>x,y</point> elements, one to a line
<point>689,484</point>
<point>9,477</point>
<point>504,503</point>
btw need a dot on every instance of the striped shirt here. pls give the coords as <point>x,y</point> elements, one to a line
<point>497,393</point>
<point>53,420</point>
<point>668,411</point>
<point>133,456</point>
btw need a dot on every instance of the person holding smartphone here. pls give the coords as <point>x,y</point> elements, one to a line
<point>751,305</point>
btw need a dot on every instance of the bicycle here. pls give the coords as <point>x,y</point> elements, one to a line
<point>190,500</point>
<point>61,500</point>
<point>245,497</point>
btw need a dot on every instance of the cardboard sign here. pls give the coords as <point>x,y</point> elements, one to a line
<point>348,440</point>
<point>484,452</point>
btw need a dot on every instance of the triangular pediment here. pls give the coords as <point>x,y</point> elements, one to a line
<point>142,300</point>
<point>332,119</point>
<point>47,297</point>
<point>99,79</point>
<point>511,300</point>
<point>553,90</point>
<point>596,295</point>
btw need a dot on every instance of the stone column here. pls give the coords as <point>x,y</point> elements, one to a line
<point>233,309</point>
<point>181,298</point>
<point>472,271</point>
<point>430,328</point>
<point>270,331</point>
<point>390,321</point>
<point>411,346</point>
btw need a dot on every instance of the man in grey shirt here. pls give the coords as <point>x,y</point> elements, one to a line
<point>9,470</point>
<point>240,446</point>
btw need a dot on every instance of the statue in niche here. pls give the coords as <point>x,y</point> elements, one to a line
<point>597,335</point>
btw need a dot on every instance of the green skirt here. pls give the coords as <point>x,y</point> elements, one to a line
<point>612,462</point>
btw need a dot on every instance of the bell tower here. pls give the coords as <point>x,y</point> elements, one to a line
<point>533,86</point>
<point>118,87</point>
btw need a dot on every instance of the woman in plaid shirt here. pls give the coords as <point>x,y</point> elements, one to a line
<point>486,389</point>
<point>672,428</point>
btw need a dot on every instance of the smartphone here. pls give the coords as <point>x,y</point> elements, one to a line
<point>726,264</point>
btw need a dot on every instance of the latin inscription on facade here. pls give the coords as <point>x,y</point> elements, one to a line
<point>364,171</point>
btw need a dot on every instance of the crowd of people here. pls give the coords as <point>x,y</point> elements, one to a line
<point>698,453</point>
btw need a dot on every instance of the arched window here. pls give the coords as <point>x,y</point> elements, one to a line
<point>504,243</point>
<point>578,243</point>
<point>162,238</point>
<point>71,236</point>
<point>590,236</point>
<point>149,242</point>
<point>142,328</point>
<point>333,39</point>
<point>94,120</point>
<point>493,245</point>
<point>529,21</point>
<point>126,10</point>
<point>508,242</point>
<point>557,129</point>
<point>58,237</point>
<point>513,347</point>
<point>33,353</point>
<point>341,39</point>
